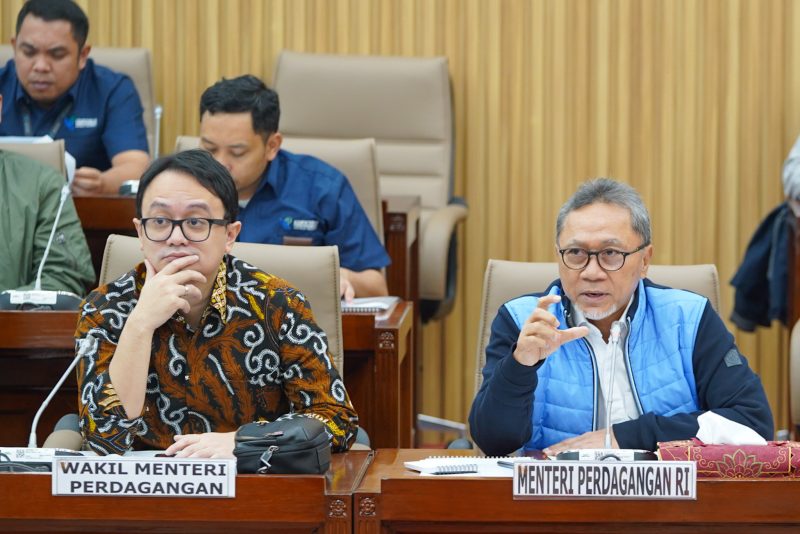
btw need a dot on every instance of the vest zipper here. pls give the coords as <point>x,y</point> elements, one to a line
<point>626,359</point>
<point>594,383</point>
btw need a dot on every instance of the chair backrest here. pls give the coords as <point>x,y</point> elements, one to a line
<point>136,63</point>
<point>403,103</point>
<point>794,379</point>
<point>313,270</point>
<point>186,142</point>
<point>355,158</point>
<point>51,154</point>
<point>505,280</point>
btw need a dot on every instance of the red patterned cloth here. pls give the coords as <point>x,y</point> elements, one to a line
<point>776,459</point>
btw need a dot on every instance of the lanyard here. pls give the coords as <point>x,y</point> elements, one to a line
<point>26,120</point>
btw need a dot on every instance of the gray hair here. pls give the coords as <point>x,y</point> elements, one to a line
<point>610,192</point>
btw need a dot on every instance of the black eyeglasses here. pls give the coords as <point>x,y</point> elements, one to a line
<point>609,259</point>
<point>194,228</point>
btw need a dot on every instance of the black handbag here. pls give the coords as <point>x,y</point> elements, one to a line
<point>298,445</point>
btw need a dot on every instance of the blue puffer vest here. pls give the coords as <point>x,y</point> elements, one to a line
<point>662,325</point>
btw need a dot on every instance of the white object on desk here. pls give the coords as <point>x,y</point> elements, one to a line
<point>472,466</point>
<point>370,304</point>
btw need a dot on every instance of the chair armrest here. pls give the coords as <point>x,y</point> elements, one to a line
<point>433,248</point>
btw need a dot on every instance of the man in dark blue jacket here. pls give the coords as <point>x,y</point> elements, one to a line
<point>550,362</point>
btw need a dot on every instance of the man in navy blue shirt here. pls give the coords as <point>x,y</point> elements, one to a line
<point>287,198</point>
<point>53,88</point>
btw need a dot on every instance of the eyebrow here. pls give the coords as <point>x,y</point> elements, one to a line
<point>198,204</point>
<point>234,145</point>
<point>606,243</point>
<point>29,46</point>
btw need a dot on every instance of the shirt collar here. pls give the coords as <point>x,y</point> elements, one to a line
<point>271,175</point>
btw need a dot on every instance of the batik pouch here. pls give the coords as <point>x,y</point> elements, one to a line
<point>776,459</point>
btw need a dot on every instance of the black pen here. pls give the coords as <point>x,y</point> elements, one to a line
<point>505,463</point>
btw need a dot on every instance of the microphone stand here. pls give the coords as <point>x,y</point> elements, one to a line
<point>40,411</point>
<point>616,329</point>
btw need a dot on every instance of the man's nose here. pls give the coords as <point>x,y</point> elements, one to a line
<point>176,237</point>
<point>224,161</point>
<point>593,271</point>
<point>41,63</point>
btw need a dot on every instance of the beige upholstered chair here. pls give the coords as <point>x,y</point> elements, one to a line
<point>355,158</point>
<point>313,270</point>
<point>505,280</point>
<point>48,153</point>
<point>186,142</point>
<point>405,105</point>
<point>794,380</point>
<point>136,63</point>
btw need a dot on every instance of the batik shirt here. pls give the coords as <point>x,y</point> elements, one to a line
<point>256,355</point>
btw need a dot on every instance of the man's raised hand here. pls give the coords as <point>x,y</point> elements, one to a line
<point>540,336</point>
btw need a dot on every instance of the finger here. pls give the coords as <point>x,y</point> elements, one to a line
<point>150,270</point>
<point>349,293</point>
<point>543,316</point>
<point>576,332</point>
<point>179,264</point>
<point>188,276</point>
<point>181,442</point>
<point>205,452</point>
<point>542,306</point>
<point>547,300</point>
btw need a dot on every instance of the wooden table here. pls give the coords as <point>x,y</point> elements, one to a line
<point>283,503</point>
<point>36,348</point>
<point>393,499</point>
<point>379,373</point>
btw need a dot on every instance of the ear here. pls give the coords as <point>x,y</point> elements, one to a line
<point>231,233</point>
<point>140,232</point>
<point>273,145</point>
<point>83,55</point>
<point>647,256</point>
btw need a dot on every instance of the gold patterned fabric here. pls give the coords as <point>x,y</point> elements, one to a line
<point>257,355</point>
<point>776,459</point>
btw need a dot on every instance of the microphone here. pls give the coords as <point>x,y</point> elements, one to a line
<point>157,112</point>
<point>616,330</point>
<point>37,298</point>
<point>66,434</point>
<point>607,452</point>
<point>85,345</point>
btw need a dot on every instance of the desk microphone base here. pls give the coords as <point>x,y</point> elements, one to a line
<point>606,455</point>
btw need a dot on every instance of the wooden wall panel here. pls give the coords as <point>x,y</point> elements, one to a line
<point>694,103</point>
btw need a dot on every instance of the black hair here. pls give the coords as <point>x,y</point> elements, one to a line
<point>51,10</point>
<point>201,166</point>
<point>244,94</point>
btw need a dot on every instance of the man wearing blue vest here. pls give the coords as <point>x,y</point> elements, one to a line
<point>548,362</point>
<point>53,88</point>
<point>286,198</point>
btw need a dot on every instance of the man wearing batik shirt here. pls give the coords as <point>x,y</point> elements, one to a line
<point>193,342</point>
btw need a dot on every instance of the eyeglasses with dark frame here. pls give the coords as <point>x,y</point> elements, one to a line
<point>609,259</point>
<point>195,229</point>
